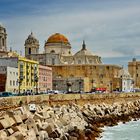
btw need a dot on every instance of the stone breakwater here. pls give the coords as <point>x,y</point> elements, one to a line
<point>64,122</point>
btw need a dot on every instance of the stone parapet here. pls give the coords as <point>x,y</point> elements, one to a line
<point>53,99</point>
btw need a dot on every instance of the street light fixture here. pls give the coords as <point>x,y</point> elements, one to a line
<point>92,87</point>
<point>69,84</point>
<point>20,81</point>
<point>36,81</point>
<point>80,84</point>
<point>111,86</point>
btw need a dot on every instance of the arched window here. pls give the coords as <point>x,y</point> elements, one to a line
<point>29,51</point>
<point>79,62</point>
<point>90,61</point>
<point>52,51</point>
<point>53,61</point>
<point>71,75</point>
<point>59,76</point>
<point>3,42</point>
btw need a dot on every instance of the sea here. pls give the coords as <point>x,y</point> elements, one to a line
<point>127,131</point>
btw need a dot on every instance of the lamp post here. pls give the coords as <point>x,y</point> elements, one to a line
<point>69,84</point>
<point>36,81</point>
<point>20,81</point>
<point>111,86</point>
<point>93,88</point>
<point>80,83</point>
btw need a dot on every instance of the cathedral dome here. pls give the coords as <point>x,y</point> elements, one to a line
<point>57,38</point>
<point>31,40</point>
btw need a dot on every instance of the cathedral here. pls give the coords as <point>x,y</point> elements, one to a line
<point>57,51</point>
<point>82,71</point>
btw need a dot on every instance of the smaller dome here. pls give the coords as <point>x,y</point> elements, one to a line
<point>31,40</point>
<point>57,38</point>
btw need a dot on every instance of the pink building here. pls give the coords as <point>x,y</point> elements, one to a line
<point>45,78</point>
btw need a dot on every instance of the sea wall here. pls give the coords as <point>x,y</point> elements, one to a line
<point>81,99</point>
<point>66,122</point>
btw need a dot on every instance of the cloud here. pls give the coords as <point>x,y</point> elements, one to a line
<point>111,29</point>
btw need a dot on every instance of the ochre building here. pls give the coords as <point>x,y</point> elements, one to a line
<point>88,76</point>
<point>134,70</point>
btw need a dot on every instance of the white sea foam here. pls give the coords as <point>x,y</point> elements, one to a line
<point>128,131</point>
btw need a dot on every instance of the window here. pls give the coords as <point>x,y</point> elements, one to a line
<point>10,83</point>
<point>13,83</point>
<point>90,61</point>
<point>17,82</point>
<point>3,42</point>
<point>79,61</point>
<point>107,67</point>
<point>53,61</point>
<point>71,75</point>
<point>29,51</point>
<point>52,51</point>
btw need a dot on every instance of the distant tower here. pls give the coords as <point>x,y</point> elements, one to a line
<point>31,45</point>
<point>3,39</point>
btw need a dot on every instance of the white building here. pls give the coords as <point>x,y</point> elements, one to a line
<point>126,81</point>
<point>11,80</point>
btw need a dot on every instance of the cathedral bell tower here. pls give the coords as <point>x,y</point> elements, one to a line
<point>3,39</point>
<point>31,45</point>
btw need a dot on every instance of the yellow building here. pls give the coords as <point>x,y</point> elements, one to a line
<point>27,71</point>
<point>28,75</point>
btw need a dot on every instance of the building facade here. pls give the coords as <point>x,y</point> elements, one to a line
<point>45,78</point>
<point>10,74</point>
<point>27,72</point>
<point>28,75</point>
<point>86,77</point>
<point>125,81</point>
<point>134,70</point>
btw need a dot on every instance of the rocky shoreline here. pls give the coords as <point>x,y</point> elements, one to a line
<point>64,122</point>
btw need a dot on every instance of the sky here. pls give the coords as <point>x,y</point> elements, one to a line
<point>110,28</point>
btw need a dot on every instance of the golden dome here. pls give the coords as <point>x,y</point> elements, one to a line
<point>57,38</point>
